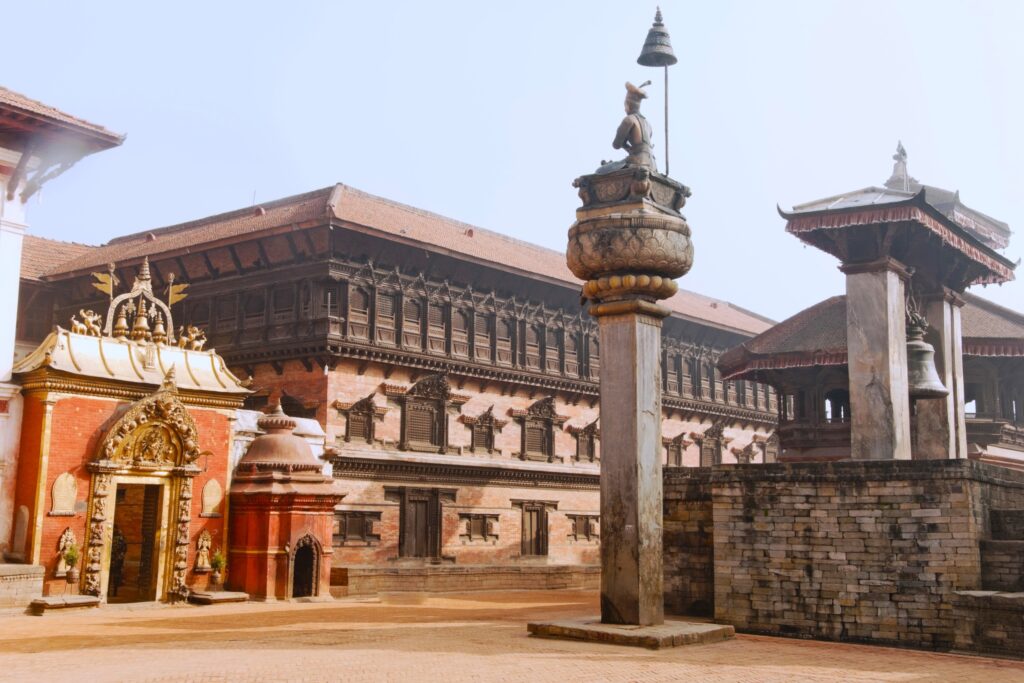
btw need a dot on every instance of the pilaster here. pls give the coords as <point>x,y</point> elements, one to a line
<point>941,428</point>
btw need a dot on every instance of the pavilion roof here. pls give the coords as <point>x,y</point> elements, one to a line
<point>26,113</point>
<point>816,336</point>
<point>391,220</point>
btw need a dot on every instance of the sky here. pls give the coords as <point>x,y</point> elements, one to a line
<point>486,111</point>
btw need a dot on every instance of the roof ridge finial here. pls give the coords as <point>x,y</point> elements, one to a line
<point>900,178</point>
<point>144,271</point>
<point>657,16</point>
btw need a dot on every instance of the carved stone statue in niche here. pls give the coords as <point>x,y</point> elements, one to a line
<point>633,135</point>
<point>67,539</point>
<point>203,551</point>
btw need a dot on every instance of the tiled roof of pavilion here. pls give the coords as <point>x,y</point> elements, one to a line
<point>816,336</point>
<point>375,215</point>
<point>15,102</point>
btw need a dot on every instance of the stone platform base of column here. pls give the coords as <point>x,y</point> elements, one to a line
<point>216,597</point>
<point>669,634</point>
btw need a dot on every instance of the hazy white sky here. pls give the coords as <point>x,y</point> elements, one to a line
<point>486,111</point>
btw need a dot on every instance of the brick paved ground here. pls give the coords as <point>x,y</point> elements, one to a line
<point>450,638</point>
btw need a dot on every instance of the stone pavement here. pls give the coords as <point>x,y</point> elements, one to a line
<point>450,638</point>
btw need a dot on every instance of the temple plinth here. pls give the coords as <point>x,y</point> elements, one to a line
<point>628,243</point>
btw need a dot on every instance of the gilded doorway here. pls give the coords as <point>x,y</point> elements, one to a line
<point>142,484</point>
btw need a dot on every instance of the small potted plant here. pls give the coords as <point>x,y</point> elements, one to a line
<point>217,564</point>
<point>71,559</point>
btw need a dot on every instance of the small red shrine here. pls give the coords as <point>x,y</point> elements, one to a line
<point>282,513</point>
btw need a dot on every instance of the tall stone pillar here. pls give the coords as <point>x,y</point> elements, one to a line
<point>941,428</point>
<point>628,242</point>
<point>631,482</point>
<point>877,354</point>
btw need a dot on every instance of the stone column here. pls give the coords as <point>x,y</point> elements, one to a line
<point>877,351</point>
<point>941,429</point>
<point>628,243</point>
<point>631,505</point>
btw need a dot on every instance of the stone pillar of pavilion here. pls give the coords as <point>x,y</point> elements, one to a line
<point>895,246</point>
<point>628,243</point>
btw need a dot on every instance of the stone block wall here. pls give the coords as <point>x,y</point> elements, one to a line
<point>858,551</point>
<point>689,549</point>
<point>1002,565</point>
<point>990,622</point>
<point>20,584</point>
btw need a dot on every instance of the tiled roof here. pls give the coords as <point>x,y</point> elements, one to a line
<point>376,215</point>
<point>817,336</point>
<point>15,100</point>
<point>40,255</point>
<point>983,319</point>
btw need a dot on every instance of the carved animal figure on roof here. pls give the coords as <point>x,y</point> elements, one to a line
<point>92,322</point>
<point>193,339</point>
<point>78,327</point>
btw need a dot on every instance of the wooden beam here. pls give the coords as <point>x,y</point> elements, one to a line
<point>235,260</point>
<point>214,273</point>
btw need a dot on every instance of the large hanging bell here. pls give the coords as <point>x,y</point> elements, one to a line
<point>922,377</point>
<point>657,49</point>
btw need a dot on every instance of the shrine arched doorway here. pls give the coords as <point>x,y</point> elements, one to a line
<point>149,453</point>
<point>305,568</point>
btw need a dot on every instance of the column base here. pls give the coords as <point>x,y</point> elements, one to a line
<point>668,634</point>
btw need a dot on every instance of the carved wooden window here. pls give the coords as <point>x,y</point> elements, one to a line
<point>685,381</point>
<point>584,527</point>
<point>227,308</point>
<point>552,351</point>
<point>594,361</point>
<point>532,348</point>
<point>478,528</point>
<point>419,525</point>
<point>358,313</point>
<point>355,527</point>
<point>284,303</point>
<point>387,311</point>
<point>572,355</point>
<point>460,333</point>
<point>425,415</point>
<point>255,309</point>
<point>711,446</point>
<point>534,528</point>
<point>707,382</point>
<point>360,419</point>
<point>538,424</point>
<point>696,377</point>
<point>412,325</point>
<point>482,431</point>
<point>482,333</point>
<point>437,327</point>
<point>305,300</point>
<point>503,342</point>
<point>771,448</point>
<point>674,450</point>
<point>837,406</point>
<point>331,301</point>
<point>728,393</point>
<point>671,373</point>
<point>741,392</point>
<point>755,395</point>
<point>586,442</point>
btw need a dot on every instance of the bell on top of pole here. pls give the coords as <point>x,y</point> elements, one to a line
<point>657,51</point>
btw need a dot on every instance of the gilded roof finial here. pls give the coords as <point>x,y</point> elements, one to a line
<point>170,379</point>
<point>144,271</point>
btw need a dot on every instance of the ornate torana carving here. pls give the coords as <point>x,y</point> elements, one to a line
<point>434,387</point>
<point>156,432</point>
<point>178,588</point>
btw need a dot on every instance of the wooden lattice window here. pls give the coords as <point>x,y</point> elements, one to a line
<point>671,373</point>
<point>425,415</point>
<point>412,325</point>
<point>572,355</point>
<point>460,333</point>
<point>284,303</point>
<point>255,309</point>
<point>482,337</point>
<point>358,313</point>
<point>437,327</point>
<point>358,427</point>
<point>674,450</point>
<point>355,527</point>
<point>482,430</point>
<point>532,348</point>
<point>537,424</point>
<point>387,312</point>
<point>552,348</point>
<point>422,417</point>
<point>478,528</point>
<point>586,442</point>
<point>503,342</point>
<point>584,527</point>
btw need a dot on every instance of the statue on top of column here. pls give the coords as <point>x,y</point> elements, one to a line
<point>633,135</point>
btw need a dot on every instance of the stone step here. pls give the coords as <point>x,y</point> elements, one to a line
<point>55,603</point>
<point>672,633</point>
<point>1007,524</point>
<point>216,597</point>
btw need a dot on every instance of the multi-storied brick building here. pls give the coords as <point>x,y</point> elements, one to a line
<point>453,368</point>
